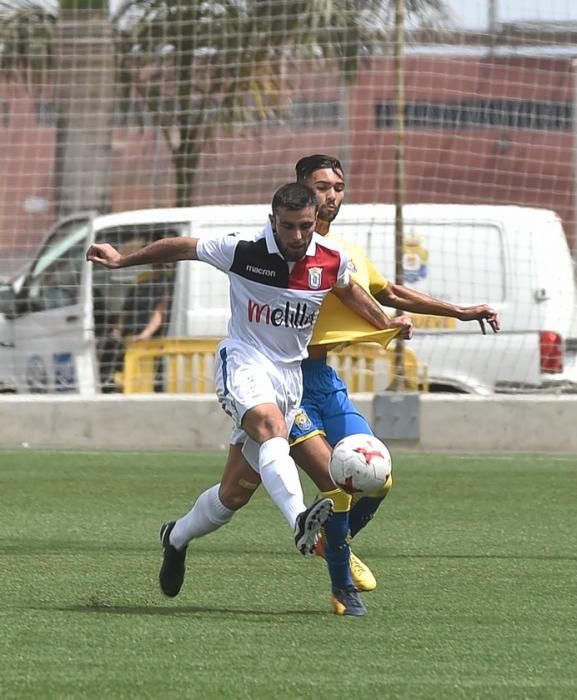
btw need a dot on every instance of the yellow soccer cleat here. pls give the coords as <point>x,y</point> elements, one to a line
<point>362,576</point>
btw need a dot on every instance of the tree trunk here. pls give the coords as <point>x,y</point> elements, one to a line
<point>186,166</point>
<point>85,91</point>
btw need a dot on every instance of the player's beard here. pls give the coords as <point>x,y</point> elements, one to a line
<point>291,254</point>
<point>328,215</point>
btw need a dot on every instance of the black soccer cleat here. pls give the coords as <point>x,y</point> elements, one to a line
<point>171,575</point>
<point>309,523</point>
<point>348,602</point>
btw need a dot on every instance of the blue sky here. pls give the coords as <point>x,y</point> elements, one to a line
<point>473,14</point>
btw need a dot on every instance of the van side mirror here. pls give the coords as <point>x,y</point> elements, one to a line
<point>13,303</point>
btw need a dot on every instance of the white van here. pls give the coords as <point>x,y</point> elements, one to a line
<point>515,259</point>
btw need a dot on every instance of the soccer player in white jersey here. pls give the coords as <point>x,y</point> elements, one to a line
<point>278,281</point>
<point>327,414</point>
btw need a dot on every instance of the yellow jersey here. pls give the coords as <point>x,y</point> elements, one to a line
<point>337,324</point>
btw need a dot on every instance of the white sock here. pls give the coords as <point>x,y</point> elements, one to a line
<point>280,478</point>
<point>206,515</point>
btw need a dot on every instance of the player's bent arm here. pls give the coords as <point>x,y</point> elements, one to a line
<point>162,251</point>
<point>363,304</point>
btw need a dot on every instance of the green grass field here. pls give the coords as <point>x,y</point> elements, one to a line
<point>475,557</point>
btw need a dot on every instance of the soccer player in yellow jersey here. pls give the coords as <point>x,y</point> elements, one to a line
<point>327,415</point>
<point>326,409</point>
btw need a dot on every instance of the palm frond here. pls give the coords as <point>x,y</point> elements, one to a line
<point>26,37</point>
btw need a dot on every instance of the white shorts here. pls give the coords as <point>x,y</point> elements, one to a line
<point>245,378</point>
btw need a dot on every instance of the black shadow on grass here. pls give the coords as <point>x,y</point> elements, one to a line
<point>158,610</point>
<point>58,547</point>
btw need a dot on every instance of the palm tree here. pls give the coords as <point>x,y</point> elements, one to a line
<point>225,59</point>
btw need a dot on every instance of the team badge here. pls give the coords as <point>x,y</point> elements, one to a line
<point>315,277</point>
<point>302,421</point>
<point>415,258</point>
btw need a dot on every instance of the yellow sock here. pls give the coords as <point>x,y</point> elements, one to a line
<point>341,500</point>
<point>379,493</point>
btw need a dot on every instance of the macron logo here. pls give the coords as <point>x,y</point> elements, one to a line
<point>261,271</point>
<point>297,317</point>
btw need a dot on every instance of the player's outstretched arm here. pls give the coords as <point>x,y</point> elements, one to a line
<point>164,250</point>
<point>404,298</point>
<point>363,304</point>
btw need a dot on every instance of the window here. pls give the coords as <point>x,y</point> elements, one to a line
<point>311,115</point>
<point>301,115</point>
<point>458,261</point>
<point>479,114</point>
<point>110,287</point>
<point>46,112</point>
<point>4,113</point>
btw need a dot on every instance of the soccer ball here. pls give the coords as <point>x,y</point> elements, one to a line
<point>360,464</point>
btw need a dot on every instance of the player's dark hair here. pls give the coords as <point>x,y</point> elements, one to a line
<point>309,164</point>
<point>294,196</point>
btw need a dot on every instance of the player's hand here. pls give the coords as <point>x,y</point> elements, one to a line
<point>104,254</point>
<point>482,314</point>
<point>405,323</point>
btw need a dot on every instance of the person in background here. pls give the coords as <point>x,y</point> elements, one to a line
<point>143,316</point>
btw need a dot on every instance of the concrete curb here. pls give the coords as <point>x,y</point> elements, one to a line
<point>447,423</point>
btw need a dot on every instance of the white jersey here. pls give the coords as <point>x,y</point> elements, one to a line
<point>274,304</point>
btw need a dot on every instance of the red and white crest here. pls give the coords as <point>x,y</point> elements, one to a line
<point>315,277</point>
